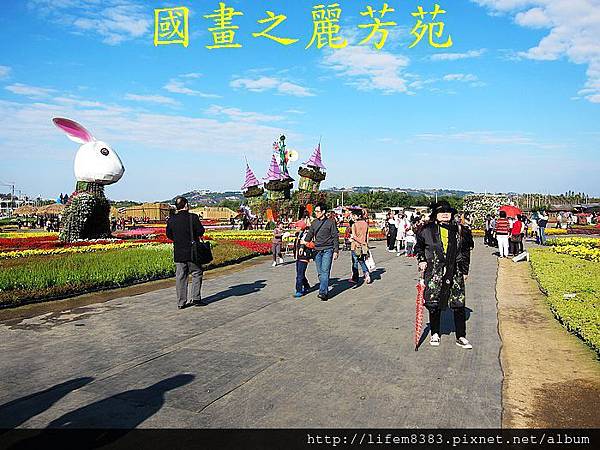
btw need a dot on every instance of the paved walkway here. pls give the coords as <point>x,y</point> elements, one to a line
<point>256,357</point>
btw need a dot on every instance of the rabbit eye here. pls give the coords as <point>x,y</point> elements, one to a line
<point>104,151</point>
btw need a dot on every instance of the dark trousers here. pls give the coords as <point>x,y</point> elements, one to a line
<point>487,240</point>
<point>302,283</point>
<point>460,321</point>
<point>516,248</point>
<point>182,271</point>
<point>391,239</point>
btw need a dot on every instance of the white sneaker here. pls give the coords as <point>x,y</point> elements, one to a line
<point>462,342</point>
<point>280,260</point>
<point>434,340</point>
<point>274,264</point>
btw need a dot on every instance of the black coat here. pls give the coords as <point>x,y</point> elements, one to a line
<point>178,230</point>
<point>444,282</point>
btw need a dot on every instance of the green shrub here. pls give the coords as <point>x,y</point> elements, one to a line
<point>561,276</point>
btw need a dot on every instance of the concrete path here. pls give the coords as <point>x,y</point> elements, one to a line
<point>256,357</point>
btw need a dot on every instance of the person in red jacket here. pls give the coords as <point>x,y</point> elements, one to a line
<point>516,236</point>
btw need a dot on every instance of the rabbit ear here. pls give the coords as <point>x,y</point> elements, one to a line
<point>74,131</point>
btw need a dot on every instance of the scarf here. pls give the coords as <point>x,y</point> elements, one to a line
<point>450,249</point>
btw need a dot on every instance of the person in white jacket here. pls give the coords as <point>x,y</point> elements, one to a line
<point>401,225</point>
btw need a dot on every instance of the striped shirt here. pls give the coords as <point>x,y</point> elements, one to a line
<point>502,226</point>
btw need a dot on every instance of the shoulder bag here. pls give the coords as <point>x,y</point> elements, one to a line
<point>201,252</point>
<point>310,251</point>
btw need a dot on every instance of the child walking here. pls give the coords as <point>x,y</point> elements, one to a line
<point>302,284</point>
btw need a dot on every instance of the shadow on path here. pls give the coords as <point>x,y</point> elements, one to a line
<point>237,291</point>
<point>120,413</point>
<point>19,411</point>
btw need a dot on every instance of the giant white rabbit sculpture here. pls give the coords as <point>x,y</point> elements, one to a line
<point>96,165</point>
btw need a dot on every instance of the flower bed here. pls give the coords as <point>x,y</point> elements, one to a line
<point>36,278</point>
<point>583,248</point>
<point>555,231</point>
<point>79,247</point>
<point>262,248</point>
<point>19,235</point>
<point>586,242</point>
<point>572,286</point>
<point>139,232</point>
<point>592,230</point>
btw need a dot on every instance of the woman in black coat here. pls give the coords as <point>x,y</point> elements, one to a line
<point>443,250</point>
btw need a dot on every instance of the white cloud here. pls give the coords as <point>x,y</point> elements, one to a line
<point>456,56</point>
<point>533,18</point>
<point>179,87</point>
<point>464,77</point>
<point>369,69</point>
<point>239,115</point>
<point>27,128</point>
<point>494,138</point>
<point>264,83</point>
<point>115,21</point>
<point>4,71</point>
<point>29,91</point>
<point>160,99</point>
<point>574,29</point>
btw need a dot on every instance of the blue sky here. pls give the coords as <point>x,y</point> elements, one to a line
<point>513,105</point>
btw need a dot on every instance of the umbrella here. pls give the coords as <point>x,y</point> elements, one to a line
<point>511,211</point>
<point>419,312</point>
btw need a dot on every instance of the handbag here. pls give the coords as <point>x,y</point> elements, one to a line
<point>310,251</point>
<point>370,262</point>
<point>201,251</point>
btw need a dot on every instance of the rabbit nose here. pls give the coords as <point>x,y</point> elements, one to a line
<point>104,151</point>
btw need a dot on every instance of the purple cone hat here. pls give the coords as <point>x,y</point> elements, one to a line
<point>251,179</point>
<point>315,159</point>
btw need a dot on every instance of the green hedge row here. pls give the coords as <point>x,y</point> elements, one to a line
<point>561,276</point>
<point>42,278</point>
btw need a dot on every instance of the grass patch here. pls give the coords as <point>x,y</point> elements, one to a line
<point>45,278</point>
<point>560,276</point>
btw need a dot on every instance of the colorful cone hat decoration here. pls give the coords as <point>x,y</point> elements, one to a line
<point>278,184</point>
<point>251,187</point>
<point>312,173</point>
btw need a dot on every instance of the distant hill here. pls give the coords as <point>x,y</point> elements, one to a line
<point>200,197</point>
<point>409,191</point>
<point>208,198</point>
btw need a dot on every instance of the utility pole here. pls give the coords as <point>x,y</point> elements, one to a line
<point>12,198</point>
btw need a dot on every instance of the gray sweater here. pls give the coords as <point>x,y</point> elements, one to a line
<point>327,236</point>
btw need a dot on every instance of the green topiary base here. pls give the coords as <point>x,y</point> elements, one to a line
<point>86,215</point>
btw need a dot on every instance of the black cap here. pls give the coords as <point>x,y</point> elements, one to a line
<point>442,207</point>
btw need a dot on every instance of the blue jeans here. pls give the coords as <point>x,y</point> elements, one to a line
<point>323,260</point>
<point>302,284</point>
<point>355,263</point>
<point>542,233</point>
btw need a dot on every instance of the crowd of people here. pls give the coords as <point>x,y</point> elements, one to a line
<point>441,244</point>
<point>508,233</point>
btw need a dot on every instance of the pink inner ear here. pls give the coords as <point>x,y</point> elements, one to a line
<point>72,128</point>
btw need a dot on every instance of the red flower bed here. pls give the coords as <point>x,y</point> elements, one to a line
<point>585,231</point>
<point>264,248</point>
<point>50,242</point>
